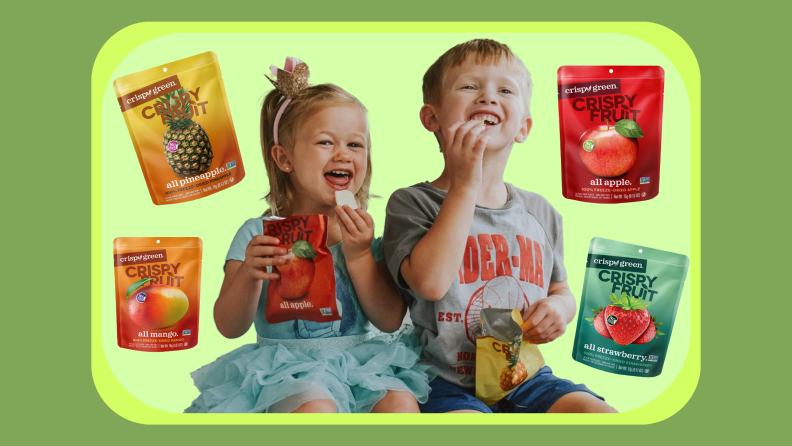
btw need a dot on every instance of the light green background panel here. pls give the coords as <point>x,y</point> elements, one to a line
<point>384,71</point>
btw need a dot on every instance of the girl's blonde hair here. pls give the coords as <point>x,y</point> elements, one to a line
<point>303,106</point>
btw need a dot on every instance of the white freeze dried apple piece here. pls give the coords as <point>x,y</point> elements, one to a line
<point>345,197</point>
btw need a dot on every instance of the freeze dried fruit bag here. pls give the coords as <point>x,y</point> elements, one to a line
<point>178,117</point>
<point>158,288</point>
<point>306,288</point>
<point>633,292</point>
<point>611,120</point>
<point>503,359</point>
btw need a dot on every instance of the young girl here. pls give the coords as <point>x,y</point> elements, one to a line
<point>315,141</point>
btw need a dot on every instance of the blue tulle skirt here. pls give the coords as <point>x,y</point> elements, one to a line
<point>280,377</point>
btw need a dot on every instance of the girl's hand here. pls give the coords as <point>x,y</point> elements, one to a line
<point>262,253</point>
<point>357,231</point>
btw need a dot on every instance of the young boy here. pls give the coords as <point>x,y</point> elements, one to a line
<point>508,242</point>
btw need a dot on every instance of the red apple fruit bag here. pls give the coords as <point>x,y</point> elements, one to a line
<point>306,288</point>
<point>611,120</point>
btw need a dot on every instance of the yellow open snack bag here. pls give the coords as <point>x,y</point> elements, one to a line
<point>178,117</point>
<point>503,359</point>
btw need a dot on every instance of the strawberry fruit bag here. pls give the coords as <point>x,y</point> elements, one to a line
<point>306,288</point>
<point>180,124</point>
<point>503,359</point>
<point>611,120</point>
<point>628,306</point>
<point>158,287</point>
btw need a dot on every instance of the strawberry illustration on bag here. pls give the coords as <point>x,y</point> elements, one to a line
<point>598,322</point>
<point>650,332</point>
<point>627,318</point>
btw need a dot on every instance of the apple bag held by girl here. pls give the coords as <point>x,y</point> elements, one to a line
<point>306,288</point>
<point>611,120</point>
<point>158,287</point>
<point>627,310</point>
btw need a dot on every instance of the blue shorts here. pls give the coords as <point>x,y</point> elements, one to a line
<point>536,395</point>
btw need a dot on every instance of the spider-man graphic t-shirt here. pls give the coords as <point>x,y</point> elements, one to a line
<point>512,254</point>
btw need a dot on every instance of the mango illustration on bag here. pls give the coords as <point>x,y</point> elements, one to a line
<point>180,124</point>
<point>158,284</point>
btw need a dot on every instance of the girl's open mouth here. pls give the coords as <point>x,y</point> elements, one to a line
<point>339,179</point>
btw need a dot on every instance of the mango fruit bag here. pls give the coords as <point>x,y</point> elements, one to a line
<point>503,359</point>
<point>630,298</point>
<point>306,288</point>
<point>158,288</point>
<point>180,124</point>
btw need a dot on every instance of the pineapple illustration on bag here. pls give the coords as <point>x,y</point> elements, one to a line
<point>187,147</point>
<point>514,373</point>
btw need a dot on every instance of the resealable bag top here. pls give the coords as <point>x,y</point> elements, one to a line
<point>158,288</point>
<point>503,359</point>
<point>306,288</point>
<point>180,124</point>
<point>630,298</point>
<point>611,121</point>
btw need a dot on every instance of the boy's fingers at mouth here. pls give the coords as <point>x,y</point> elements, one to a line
<point>450,132</point>
<point>481,144</point>
<point>472,136</point>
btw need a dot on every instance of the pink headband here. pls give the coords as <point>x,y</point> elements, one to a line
<point>292,79</point>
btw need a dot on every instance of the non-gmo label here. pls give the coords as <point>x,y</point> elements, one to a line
<point>141,297</point>
<point>588,145</point>
<point>173,146</point>
<point>326,311</point>
<point>644,180</point>
<point>231,165</point>
<point>185,332</point>
<point>611,320</point>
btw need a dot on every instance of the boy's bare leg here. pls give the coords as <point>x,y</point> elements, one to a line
<point>317,406</point>
<point>396,402</point>
<point>580,402</point>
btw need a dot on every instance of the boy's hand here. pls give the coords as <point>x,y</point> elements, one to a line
<point>464,151</point>
<point>262,253</point>
<point>357,231</point>
<point>545,320</point>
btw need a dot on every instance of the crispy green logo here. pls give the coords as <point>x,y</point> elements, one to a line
<point>588,145</point>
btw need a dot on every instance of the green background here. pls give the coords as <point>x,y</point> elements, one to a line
<point>49,392</point>
<point>389,85</point>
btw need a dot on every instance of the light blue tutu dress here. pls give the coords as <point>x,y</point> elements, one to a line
<point>347,361</point>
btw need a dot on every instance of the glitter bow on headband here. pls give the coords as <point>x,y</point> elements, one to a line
<point>291,80</point>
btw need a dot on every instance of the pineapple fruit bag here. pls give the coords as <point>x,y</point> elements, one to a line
<point>180,124</point>
<point>503,360</point>
<point>158,287</point>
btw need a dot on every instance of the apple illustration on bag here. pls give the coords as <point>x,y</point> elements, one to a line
<point>610,150</point>
<point>297,274</point>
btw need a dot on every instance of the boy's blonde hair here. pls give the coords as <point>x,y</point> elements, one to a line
<point>485,51</point>
<point>302,107</point>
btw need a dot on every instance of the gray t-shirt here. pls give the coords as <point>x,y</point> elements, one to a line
<point>512,255</point>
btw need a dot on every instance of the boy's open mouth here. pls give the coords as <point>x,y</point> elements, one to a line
<point>485,117</point>
<point>339,179</point>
